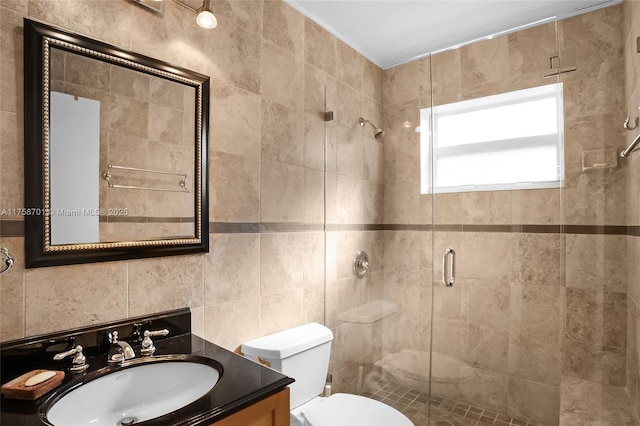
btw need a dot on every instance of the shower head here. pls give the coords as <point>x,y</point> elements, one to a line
<point>378,133</point>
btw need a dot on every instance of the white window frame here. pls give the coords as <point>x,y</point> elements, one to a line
<point>429,131</point>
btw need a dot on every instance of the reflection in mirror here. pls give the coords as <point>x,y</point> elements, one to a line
<point>125,139</point>
<point>117,143</point>
<point>78,145</point>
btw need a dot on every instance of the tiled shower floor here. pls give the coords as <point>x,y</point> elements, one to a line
<point>444,412</point>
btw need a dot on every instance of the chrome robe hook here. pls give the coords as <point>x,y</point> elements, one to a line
<point>626,123</point>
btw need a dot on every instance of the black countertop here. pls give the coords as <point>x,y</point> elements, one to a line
<point>242,383</point>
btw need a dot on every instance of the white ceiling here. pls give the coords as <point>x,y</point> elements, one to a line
<point>392,32</point>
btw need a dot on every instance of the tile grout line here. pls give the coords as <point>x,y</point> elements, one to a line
<point>393,394</point>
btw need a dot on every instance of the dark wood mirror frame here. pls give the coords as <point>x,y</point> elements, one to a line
<point>38,40</point>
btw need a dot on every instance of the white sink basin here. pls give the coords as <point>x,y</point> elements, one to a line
<point>135,393</point>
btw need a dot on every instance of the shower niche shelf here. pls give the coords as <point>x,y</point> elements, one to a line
<point>598,159</point>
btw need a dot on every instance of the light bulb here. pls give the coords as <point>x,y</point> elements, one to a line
<point>206,19</point>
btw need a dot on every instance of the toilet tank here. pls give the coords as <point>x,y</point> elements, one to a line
<point>301,353</point>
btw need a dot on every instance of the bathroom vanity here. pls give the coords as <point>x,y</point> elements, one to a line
<point>244,392</point>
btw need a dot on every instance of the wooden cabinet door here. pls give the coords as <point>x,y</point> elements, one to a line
<point>272,411</point>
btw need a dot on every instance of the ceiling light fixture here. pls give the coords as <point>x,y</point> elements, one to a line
<point>206,18</point>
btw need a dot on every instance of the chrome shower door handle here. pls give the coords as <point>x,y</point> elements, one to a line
<point>449,259</point>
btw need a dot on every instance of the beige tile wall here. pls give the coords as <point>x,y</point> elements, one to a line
<point>632,98</point>
<point>596,294</point>
<point>269,67</point>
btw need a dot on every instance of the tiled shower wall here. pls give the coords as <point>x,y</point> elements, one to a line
<point>531,304</point>
<point>269,67</point>
<point>632,102</point>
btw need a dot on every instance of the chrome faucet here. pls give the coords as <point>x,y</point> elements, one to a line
<point>119,350</point>
<point>78,363</point>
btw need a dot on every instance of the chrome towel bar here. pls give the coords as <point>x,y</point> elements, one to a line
<point>631,147</point>
<point>183,182</point>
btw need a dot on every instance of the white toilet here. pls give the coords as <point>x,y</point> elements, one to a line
<point>302,353</point>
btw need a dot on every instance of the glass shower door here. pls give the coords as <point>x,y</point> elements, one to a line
<point>496,165</point>
<point>381,319</point>
<point>355,308</point>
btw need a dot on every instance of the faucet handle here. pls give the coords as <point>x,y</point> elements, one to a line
<point>148,348</point>
<point>78,363</point>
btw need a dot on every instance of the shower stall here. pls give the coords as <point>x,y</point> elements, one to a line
<point>494,218</point>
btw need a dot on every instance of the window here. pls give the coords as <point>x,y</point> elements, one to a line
<point>512,140</point>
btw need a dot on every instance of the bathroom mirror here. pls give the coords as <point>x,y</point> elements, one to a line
<point>115,152</point>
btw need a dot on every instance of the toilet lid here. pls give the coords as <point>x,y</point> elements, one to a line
<point>343,409</point>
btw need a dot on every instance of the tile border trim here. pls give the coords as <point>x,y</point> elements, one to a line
<point>11,228</point>
<point>15,228</point>
<point>146,219</point>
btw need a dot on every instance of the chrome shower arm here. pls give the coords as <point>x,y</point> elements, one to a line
<point>378,133</point>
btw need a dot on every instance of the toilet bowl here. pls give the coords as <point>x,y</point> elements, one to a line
<point>343,409</point>
<point>410,368</point>
<point>302,353</point>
